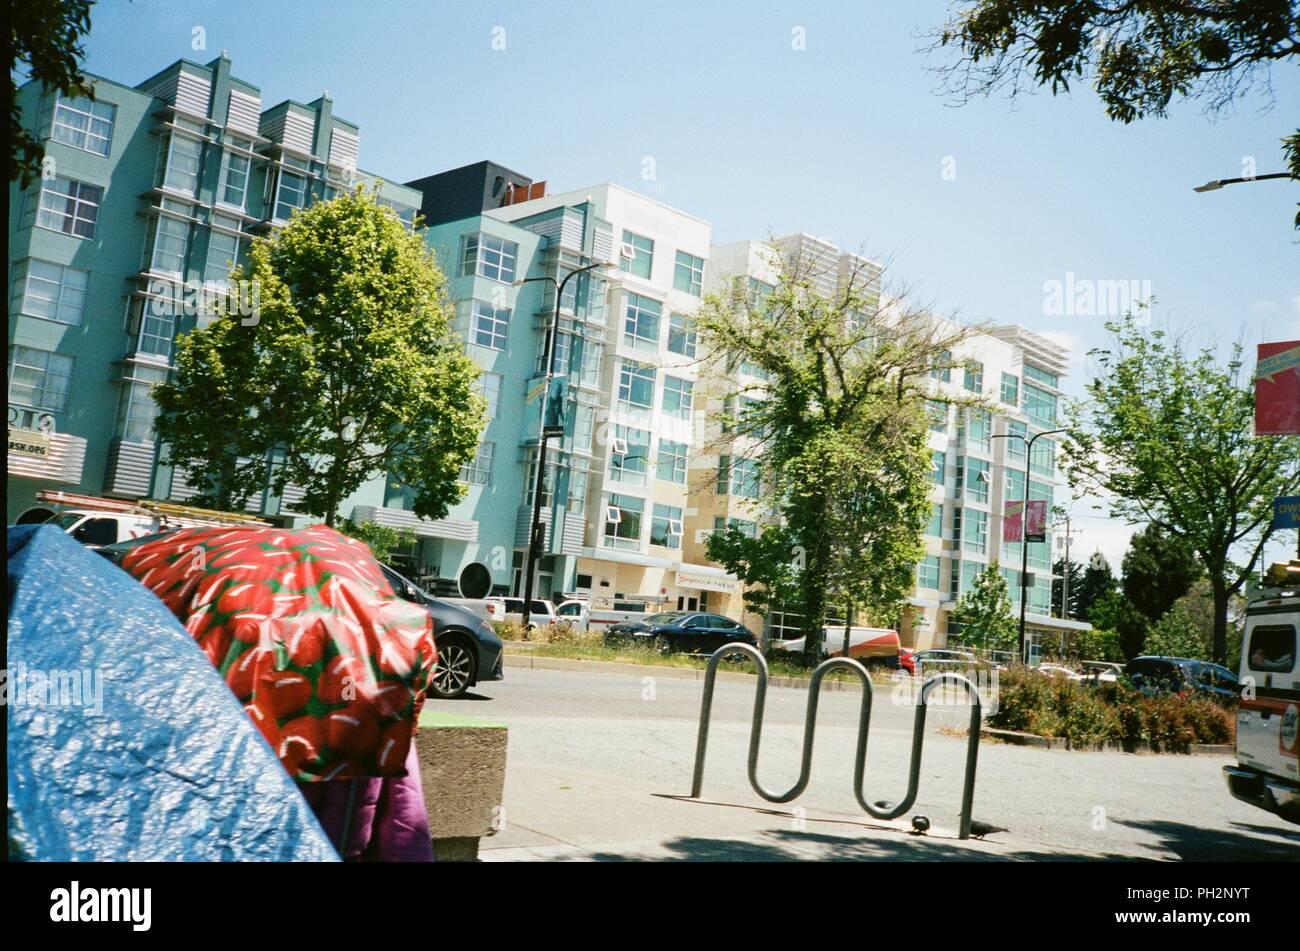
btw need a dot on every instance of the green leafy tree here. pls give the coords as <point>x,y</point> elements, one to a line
<point>836,427</point>
<point>1062,570</point>
<point>349,371</point>
<point>1158,570</point>
<point>1094,583</point>
<point>45,46</point>
<point>380,539</point>
<point>1139,55</point>
<point>764,563</point>
<point>983,613</point>
<point>1167,437</point>
<point>1177,634</point>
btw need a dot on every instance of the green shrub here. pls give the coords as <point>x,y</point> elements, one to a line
<point>1087,715</point>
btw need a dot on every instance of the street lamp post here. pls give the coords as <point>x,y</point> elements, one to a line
<point>1216,184</point>
<point>544,435</point>
<point>1024,529</point>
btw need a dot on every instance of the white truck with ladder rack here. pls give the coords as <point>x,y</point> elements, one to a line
<point>96,521</point>
<point>1267,773</point>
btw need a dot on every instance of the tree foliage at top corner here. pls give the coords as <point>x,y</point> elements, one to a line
<point>45,47</point>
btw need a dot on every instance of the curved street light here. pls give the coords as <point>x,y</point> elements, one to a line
<point>1024,528</point>
<point>544,435</point>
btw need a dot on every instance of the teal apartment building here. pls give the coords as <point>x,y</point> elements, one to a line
<point>147,197</point>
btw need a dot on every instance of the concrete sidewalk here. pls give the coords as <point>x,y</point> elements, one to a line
<point>557,814</point>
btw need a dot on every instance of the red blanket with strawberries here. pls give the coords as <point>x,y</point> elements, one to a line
<point>328,662</point>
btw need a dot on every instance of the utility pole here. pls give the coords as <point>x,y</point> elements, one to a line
<point>1067,535</point>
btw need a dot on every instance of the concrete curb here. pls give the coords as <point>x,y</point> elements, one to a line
<point>522,659</point>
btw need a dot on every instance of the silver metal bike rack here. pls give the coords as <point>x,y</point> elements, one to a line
<point>864,724</point>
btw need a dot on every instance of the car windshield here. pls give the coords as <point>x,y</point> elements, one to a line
<point>66,520</point>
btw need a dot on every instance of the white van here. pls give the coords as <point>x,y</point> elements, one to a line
<point>579,613</point>
<point>96,529</point>
<point>1267,773</point>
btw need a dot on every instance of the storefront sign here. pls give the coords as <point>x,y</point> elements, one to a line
<point>27,442</point>
<point>705,583</point>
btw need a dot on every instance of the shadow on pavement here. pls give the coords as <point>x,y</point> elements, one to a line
<point>1199,844</point>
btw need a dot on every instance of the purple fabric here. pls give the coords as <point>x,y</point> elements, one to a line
<point>389,821</point>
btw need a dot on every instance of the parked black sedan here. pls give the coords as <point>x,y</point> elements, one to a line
<point>676,632</point>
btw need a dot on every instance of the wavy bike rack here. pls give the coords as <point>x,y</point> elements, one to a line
<point>864,726</point>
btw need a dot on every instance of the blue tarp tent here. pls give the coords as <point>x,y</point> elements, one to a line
<point>124,743</point>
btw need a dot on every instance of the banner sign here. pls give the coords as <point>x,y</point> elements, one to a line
<point>1011,521</point>
<point>26,442</point>
<point>1286,512</point>
<point>1277,389</point>
<point>1034,522</point>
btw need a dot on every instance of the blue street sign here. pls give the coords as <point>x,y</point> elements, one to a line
<point>1286,512</point>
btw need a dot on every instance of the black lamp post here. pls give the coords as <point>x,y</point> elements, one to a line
<point>1024,529</point>
<point>545,434</point>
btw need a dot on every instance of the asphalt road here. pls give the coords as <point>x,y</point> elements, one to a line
<point>593,756</point>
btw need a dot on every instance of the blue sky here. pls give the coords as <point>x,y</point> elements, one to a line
<point>846,139</point>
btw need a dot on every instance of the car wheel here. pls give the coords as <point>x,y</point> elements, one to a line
<point>663,645</point>
<point>455,670</point>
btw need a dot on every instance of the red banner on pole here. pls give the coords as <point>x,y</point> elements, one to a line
<point>1036,521</point>
<point>1277,389</point>
<point>1011,521</point>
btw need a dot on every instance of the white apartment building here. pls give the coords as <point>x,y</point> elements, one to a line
<point>638,410</point>
<point>976,469</point>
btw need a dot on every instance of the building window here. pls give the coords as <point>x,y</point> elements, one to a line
<point>478,471</point>
<point>688,274</point>
<point>156,328</point>
<point>738,477</point>
<point>938,413</point>
<point>182,158</point>
<point>578,477</point>
<point>548,481</point>
<point>84,124</point>
<point>488,386</point>
<point>1010,389</point>
<point>943,373</point>
<point>681,335</point>
<point>137,410</point>
<point>629,458</point>
<point>489,325</point>
<point>670,463</point>
<point>623,521</point>
<point>927,573</point>
<point>1042,458</point>
<point>677,397</point>
<point>1013,483</point>
<point>935,528</point>
<point>641,322</point>
<point>743,525</point>
<point>290,194</point>
<point>223,251</point>
<point>593,359</point>
<point>979,430</point>
<point>171,245</point>
<point>489,256</point>
<point>1040,407</point>
<point>938,467</point>
<point>1041,376</point>
<point>975,531</point>
<point>977,480</point>
<point>757,292</point>
<point>974,379</point>
<point>233,187</point>
<point>39,378</point>
<point>584,428</point>
<point>405,213</point>
<point>55,292</point>
<point>69,206</point>
<point>666,526</point>
<point>1017,433</point>
<point>638,254</point>
<point>636,386</point>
